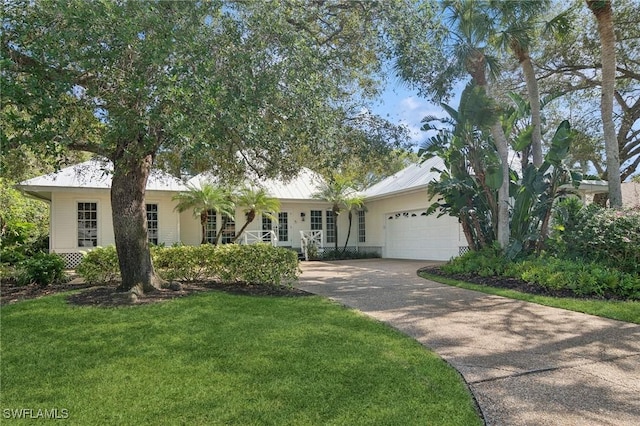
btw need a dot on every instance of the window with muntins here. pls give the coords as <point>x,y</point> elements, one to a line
<point>331,229</point>
<point>87,224</point>
<point>283,226</point>
<point>267,225</point>
<point>362,234</point>
<point>315,220</point>
<point>211,227</point>
<point>152,223</point>
<point>229,232</point>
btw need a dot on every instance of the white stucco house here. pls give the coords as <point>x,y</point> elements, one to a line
<point>393,225</point>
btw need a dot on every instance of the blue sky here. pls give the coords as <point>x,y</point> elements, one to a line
<point>401,105</point>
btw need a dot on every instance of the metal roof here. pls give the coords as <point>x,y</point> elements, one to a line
<point>96,173</point>
<point>414,176</point>
<point>302,187</point>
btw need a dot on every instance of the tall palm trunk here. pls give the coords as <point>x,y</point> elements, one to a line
<point>225,220</point>
<point>534,101</point>
<point>476,68</point>
<point>346,241</point>
<point>203,223</point>
<point>250,218</point>
<point>604,16</point>
<point>130,225</point>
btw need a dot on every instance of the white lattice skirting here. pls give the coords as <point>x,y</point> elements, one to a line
<point>71,260</point>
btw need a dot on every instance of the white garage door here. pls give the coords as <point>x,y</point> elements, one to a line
<point>414,235</point>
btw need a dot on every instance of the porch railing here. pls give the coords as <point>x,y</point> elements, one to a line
<point>311,242</point>
<point>252,237</point>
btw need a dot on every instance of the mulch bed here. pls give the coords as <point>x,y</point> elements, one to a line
<point>503,282</point>
<point>108,296</point>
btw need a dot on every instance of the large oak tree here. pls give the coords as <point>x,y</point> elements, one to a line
<point>211,85</point>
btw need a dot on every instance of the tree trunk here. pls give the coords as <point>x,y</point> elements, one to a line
<point>346,242</point>
<point>250,217</point>
<point>604,16</point>
<point>503,193</point>
<point>225,220</point>
<point>203,224</point>
<point>534,102</point>
<point>130,225</point>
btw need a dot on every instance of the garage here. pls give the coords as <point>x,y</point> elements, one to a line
<point>414,235</point>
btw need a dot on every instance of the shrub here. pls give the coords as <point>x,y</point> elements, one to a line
<point>582,278</point>
<point>99,266</point>
<point>257,264</point>
<point>607,236</point>
<point>185,263</point>
<point>42,269</point>
<point>486,262</point>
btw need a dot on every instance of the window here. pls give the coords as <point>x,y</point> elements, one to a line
<point>316,220</point>
<point>267,225</point>
<point>229,231</point>
<point>283,226</point>
<point>331,229</point>
<point>152,223</point>
<point>87,224</point>
<point>211,226</point>
<point>362,234</point>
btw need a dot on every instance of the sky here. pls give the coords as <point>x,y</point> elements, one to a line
<point>401,105</point>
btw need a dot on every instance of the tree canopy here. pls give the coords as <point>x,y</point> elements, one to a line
<point>217,86</point>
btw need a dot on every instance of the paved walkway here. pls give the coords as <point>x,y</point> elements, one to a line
<point>526,364</point>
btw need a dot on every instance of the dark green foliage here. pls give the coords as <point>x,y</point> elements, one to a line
<point>344,254</point>
<point>583,278</point>
<point>610,237</point>
<point>100,266</point>
<point>42,269</point>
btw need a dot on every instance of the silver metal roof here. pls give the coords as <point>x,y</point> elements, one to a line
<point>96,174</point>
<point>415,176</point>
<point>301,187</point>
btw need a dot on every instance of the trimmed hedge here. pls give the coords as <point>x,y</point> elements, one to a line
<point>258,264</point>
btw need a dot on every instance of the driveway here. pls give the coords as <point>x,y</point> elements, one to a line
<point>526,364</point>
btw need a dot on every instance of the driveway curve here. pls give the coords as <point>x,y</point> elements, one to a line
<point>526,364</point>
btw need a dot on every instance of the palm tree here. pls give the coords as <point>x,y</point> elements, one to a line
<point>201,200</point>
<point>335,191</point>
<point>518,20</point>
<point>256,202</point>
<point>604,15</point>
<point>355,202</point>
<point>470,29</point>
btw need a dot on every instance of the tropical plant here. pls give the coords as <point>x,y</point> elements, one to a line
<point>351,204</point>
<point>472,175</point>
<point>536,192</point>
<point>202,199</point>
<point>335,190</point>
<point>256,201</point>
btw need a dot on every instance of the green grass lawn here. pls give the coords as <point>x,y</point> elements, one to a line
<point>218,358</point>
<point>620,310</point>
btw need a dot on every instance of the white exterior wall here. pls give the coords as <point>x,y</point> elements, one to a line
<point>450,235</point>
<point>191,233</point>
<point>64,221</point>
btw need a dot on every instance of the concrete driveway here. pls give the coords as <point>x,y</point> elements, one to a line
<point>526,364</point>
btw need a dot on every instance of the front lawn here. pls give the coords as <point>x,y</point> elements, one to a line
<point>218,358</point>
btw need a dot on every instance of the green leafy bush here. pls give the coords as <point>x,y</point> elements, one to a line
<point>607,236</point>
<point>256,264</point>
<point>99,266</point>
<point>185,263</point>
<point>486,262</point>
<point>42,269</point>
<point>582,278</point>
